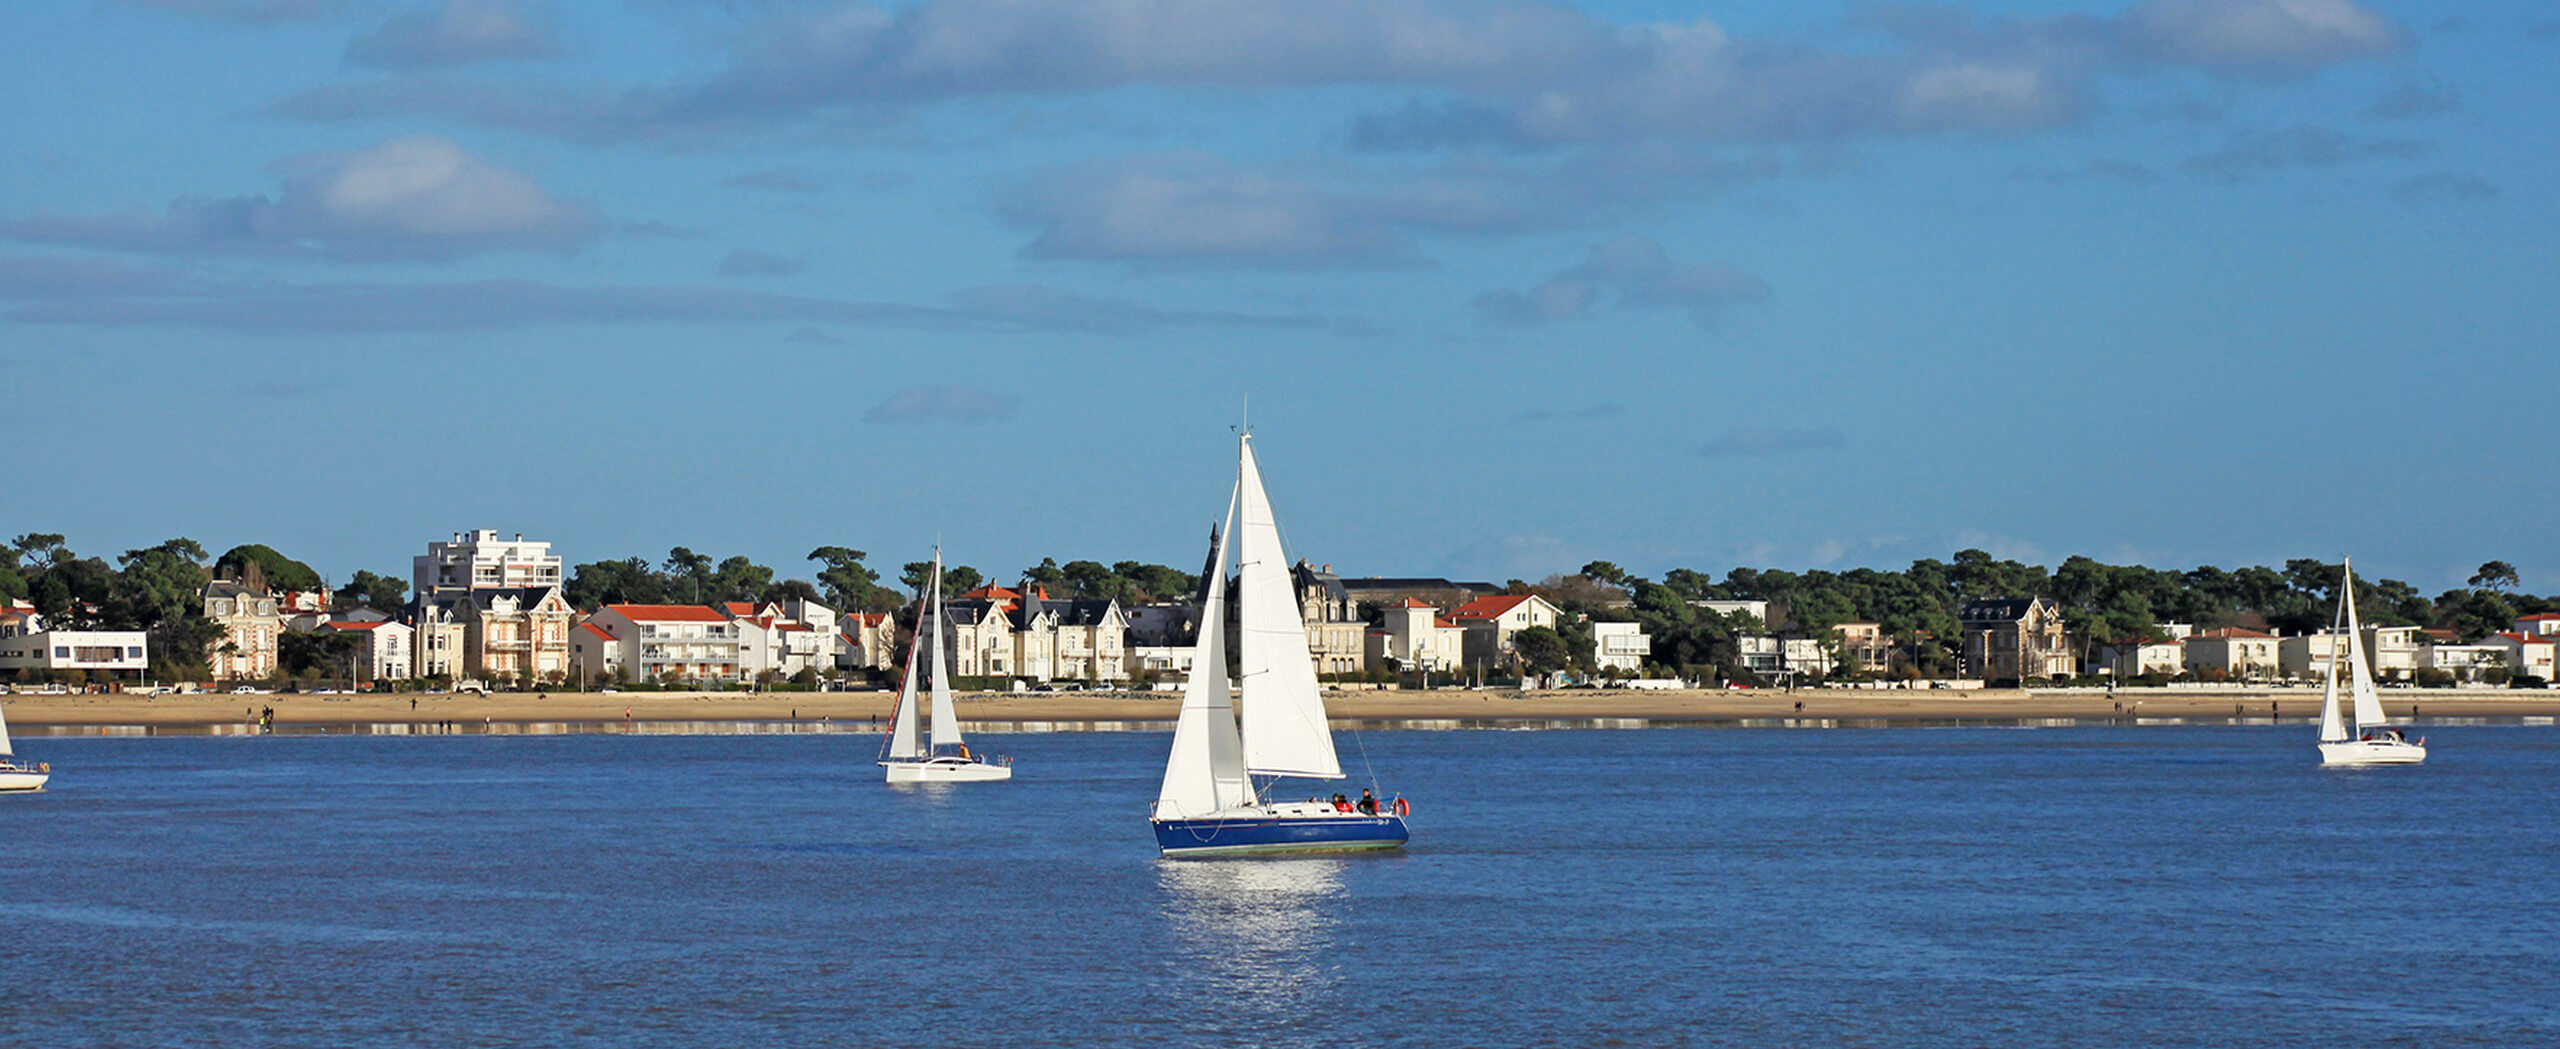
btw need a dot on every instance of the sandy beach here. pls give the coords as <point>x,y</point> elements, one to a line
<point>1993,705</point>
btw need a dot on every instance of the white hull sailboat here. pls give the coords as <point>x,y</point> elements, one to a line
<point>1210,803</point>
<point>16,775</point>
<point>944,757</point>
<point>2369,739</point>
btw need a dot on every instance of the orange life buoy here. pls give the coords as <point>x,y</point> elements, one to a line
<point>1403,807</point>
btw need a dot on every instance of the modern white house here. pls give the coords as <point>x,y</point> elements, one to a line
<point>25,645</point>
<point>1620,646</point>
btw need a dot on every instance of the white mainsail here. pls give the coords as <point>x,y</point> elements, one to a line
<point>1205,772</point>
<point>2368,705</point>
<point>5,752</point>
<point>1284,724</point>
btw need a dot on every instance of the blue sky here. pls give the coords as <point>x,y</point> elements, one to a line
<point>1509,287</point>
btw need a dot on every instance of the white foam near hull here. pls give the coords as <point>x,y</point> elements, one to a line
<point>946,770</point>
<point>22,779</point>
<point>2373,752</point>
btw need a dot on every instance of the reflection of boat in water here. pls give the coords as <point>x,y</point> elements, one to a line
<point>2369,739</point>
<point>1209,804</point>
<point>1259,927</point>
<point>945,758</point>
<point>15,774</point>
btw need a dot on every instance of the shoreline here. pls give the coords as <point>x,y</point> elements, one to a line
<point>1383,708</point>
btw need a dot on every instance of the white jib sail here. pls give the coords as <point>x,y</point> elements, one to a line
<point>1284,725</point>
<point>1205,773</point>
<point>2368,705</point>
<point>946,720</point>
<point>902,727</point>
<point>5,752</point>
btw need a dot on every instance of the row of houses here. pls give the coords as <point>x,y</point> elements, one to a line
<point>2021,638</point>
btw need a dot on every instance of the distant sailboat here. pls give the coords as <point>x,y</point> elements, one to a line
<point>1209,803</point>
<point>2370,739</point>
<point>15,774</point>
<point>945,757</point>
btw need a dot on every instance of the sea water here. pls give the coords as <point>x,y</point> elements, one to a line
<point>2190,886</point>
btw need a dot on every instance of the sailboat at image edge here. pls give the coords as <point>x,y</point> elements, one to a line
<point>2370,739</point>
<point>16,775</point>
<point>945,757</point>
<point>1209,804</point>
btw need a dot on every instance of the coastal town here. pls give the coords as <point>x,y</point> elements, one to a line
<point>484,611</point>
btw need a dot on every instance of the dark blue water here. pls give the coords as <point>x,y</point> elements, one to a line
<point>2069,887</point>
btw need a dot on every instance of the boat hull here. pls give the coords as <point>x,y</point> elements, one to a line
<point>1247,833</point>
<point>2372,752</point>
<point>16,779</point>
<point>946,771</point>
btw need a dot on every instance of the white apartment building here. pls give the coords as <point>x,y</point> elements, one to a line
<point>1621,646</point>
<point>688,643</point>
<point>480,560</point>
<point>2465,662</point>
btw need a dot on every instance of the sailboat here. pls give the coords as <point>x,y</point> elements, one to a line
<point>2368,739</point>
<point>1210,803</point>
<point>17,775</point>
<point>944,757</point>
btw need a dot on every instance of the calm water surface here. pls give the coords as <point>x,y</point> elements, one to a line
<point>2066,887</point>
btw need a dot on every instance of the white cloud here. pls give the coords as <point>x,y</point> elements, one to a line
<point>415,197</point>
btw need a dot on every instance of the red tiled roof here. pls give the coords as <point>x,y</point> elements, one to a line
<point>1414,603</point>
<point>740,608</point>
<point>1443,622</point>
<point>2528,639</point>
<point>596,630</point>
<point>789,627</point>
<point>992,592</point>
<point>668,613</point>
<point>868,618</point>
<point>1488,607</point>
<point>2538,617</point>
